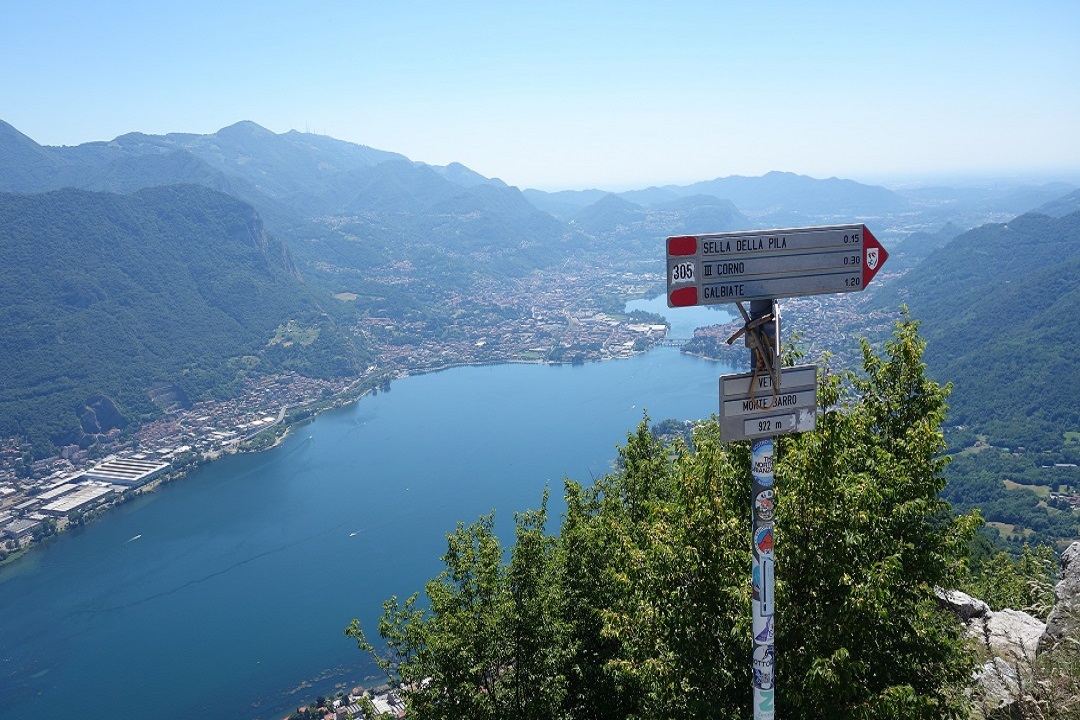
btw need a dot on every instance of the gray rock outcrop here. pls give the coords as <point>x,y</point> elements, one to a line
<point>1012,635</point>
<point>1064,620</point>
<point>1011,639</point>
<point>963,605</point>
<point>1000,685</point>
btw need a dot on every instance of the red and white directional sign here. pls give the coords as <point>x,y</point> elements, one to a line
<point>766,264</point>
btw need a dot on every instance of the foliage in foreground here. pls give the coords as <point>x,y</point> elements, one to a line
<point>1054,692</point>
<point>1021,583</point>
<point>640,607</point>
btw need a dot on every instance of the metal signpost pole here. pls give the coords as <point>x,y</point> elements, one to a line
<point>762,503</point>
<point>758,266</point>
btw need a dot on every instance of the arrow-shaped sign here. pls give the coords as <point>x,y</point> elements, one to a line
<point>765,264</point>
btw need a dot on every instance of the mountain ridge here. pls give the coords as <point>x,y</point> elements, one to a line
<point>167,286</point>
<point>996,303</point>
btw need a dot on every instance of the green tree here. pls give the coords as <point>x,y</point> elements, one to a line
<point>488,645</point>
<point>863,539</point>
<point>536,635</point>
<point>640,608</point>
<point>590,584</point>
<point>680,603</point>
<point>450,656</point>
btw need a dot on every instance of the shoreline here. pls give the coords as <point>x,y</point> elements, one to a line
<point>323,646</point>
<point>280,430</point>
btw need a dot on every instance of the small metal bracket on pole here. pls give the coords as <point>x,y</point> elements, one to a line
<point>761,332</point>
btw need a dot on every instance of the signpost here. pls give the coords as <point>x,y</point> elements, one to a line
<point>767,264</point>
<point>758,267</point>
<point>749,408</point>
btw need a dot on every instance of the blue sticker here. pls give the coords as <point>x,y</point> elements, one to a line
<point>763,667</point>
<point>761,462</point>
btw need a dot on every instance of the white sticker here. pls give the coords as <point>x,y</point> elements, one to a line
<point>682,273</point>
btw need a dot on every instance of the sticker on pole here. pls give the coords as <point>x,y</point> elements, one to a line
<point>765,635</point>
<point>763,541</point>
<point>761,462</point>
<point>763,505</point>
<point>764,661</point>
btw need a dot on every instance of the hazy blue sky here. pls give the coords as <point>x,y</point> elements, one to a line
<point>560,95</point>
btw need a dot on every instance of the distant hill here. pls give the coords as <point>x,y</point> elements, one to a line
<point>914,248</point>
<point>318,193</point>
<point>24,165</point>
<point>998,306</point>
<point>633,231</point>
<point>609,214</point>
<point>107,296</point>
<point>782,199</point>
<point>973,205</point>
<point>701,214</point>
<point>653,195</point>
<point>776,199</point>
<point>279,165</point>
<point>1060,207</point>
<point>307,174</point>
<point>787,199</point>
<point>564,204</point>
<point>463,176</point>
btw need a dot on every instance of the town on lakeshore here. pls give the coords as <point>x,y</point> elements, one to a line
<point>549,317</point>
<point>382,700</point>
<point>556,317</point>
<point>552,318</point>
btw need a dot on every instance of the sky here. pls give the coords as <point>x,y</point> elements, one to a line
<point>568,95</point>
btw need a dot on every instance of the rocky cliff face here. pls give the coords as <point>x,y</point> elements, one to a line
<point>1063,625</point>
<point>1010,639</point>
<point>1015,641</point>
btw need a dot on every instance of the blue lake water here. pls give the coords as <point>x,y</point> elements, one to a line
<point>225,594</point>
<point>684,320</point>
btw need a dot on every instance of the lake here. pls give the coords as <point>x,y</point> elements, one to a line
<point>684,320</point>
<point>225,594</point>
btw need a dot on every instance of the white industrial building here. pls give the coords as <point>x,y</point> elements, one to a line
<point>18,529</point>
<point>127,471</point>
<point>81,496</point>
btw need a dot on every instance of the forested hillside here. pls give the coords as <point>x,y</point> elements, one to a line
<point>373,234</point>
<point>106,296</point>
<point>998,307</point>
<point>317,193</point>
